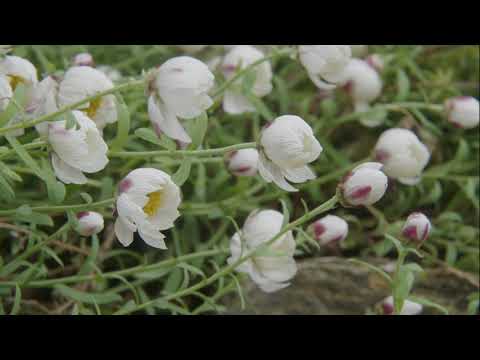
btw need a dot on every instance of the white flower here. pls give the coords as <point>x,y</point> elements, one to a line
<point>287,146</point>
<point>43,101</point>
<point>238,58</point>
<point>89,223</point>
<point>409,307</point>
<point>6,92</point>
<point>417,227</point>
<point>192,49</point>
<point>18,70</point>
<point>80,82</point>
<point>83,59</point>
<point>325,63</point>
<point>179,90</point>
<point>359,51</point>
<point>364,185</point>
<point>363,83</point>
<point>112,73</point>
<point>148,203</point>
<point>270,269</point>
<point>76,150</point>
<point>403,155</point>
<point>243,162</point>
<point>463,111</point>
<point>330,229</point>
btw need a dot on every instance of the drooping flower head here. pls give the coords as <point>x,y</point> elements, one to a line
<point>364,185</point>
<point>463,111</point>
<point>287,145</point>
<point>325,63</point>
<point>243,162</point>
<point>80,82</point>
<point>179,89</point>
<point>238,58</point>
<point>89,223</point>
<point>147,203</point>
<point>76,150</point>
<point>403,155</point>
<point>270,269</point>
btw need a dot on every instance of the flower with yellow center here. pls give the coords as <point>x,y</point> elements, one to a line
<point>148,203</point>
<point>80,82</point>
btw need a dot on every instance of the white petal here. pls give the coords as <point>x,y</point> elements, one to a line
<point>410,181</point>
<point>164,120</point>
<point>321,84</point>
<point>123,233</point>
<point>152,237</point>
<point>66,173</point>
<point>299,175</point>
<point>235,103</point>
<point>270,172</point>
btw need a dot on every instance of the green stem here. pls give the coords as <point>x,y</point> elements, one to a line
<point>26,124</point>
<point>125,272</point>
<point>208,152</point>
<point>29,146</point>
<point>226,270</point>
<point>63,208</point>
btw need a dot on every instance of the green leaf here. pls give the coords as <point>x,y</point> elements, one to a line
<point>451,254</point>
<point>402,287</point>
<point>399,246</point>
<point>86,197</point>
<point>6,191</point>
<point>53,255</point>
<point>16,103</point>
<point>71,120</point>
<point>89,298</point>
<point>191,268</point>
<point>414,267</point>
<point>150,136</point>
<point>286,213</point>
<point>12,175</point>
<point>183,172</point>
<point>34,218</point>
<point>403,84</point>
<point>198,130</point>
<point>165,305</point>
<point>56,190</point>
<point>89,264</point>
<point>123,124</point>
<point>25,156</point>
<point>17,301</point>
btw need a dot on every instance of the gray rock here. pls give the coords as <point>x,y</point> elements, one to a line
<point>334,286</point>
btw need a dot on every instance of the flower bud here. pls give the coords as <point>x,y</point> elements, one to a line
<point>179,89</point>
<point>89,223</point>
<point>83,59</point>
<point>287,146</point>
<point>409,307</point>
<point>330,229</point>
<point>240,57</point>
<point>243,162</point>
<point>364,185</point>
<point>325,63</point>
<point>362,82</point>
<point>463,111</point>
<point>403,155</point>
<point>417,227</point>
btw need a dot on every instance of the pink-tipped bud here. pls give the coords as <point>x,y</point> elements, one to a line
<point>89,223</point>
<point>330,229</point>
<point>409,307</point>
<point>83,59</point>
<point>364,185</point>
<point>417,227</point>
<point>463,111</point>
<point>243,162</point>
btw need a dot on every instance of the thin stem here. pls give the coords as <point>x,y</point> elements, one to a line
<point>226,270</point>
<point>47,117</point>
<point>208,152</point>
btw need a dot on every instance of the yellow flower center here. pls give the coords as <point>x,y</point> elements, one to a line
<point>155,200</point>
<point>15,80</point>
<point>93,108</point>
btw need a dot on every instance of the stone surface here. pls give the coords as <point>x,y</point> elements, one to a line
<point>334,286</point>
